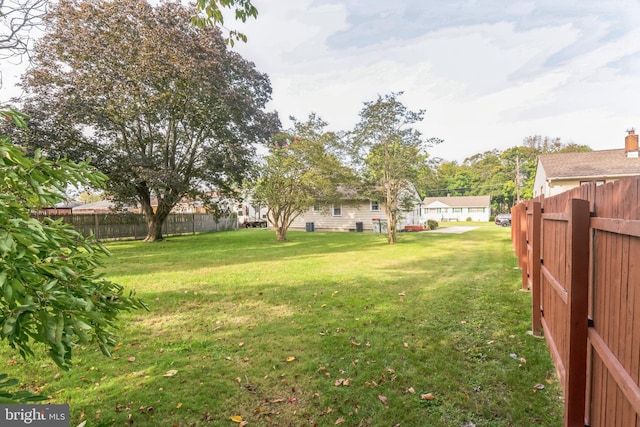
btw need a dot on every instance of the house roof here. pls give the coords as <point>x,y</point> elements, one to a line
<point>590,164</point>
<point>459,201</point>
<point>100,205</point>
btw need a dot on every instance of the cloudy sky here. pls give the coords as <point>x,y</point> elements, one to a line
<point>488,72</point>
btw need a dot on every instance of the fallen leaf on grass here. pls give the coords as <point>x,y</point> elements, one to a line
<point>179,405</point>
<point>236,418</point>
<point>170,373</point>
<point>131,359</point>
<point>403,294</point>
<point>383,399</point>
<point>427,396</point>
<point>342,381</point>
<point>339,421</point>
<point>291,358</point>
<point>411,390</point>
<point>539,387</point>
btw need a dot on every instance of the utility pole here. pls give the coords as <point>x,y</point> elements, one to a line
<point>517,179</point>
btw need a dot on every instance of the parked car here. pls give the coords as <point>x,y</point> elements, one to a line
<point>503,219</point>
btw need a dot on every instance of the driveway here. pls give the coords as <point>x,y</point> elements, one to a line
<point>459,229</point>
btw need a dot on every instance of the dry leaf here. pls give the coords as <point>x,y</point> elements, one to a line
<point>383,399</point>
<point>170,373</point>
<point>411,390</point>
<point>402,294</point>
<point>342,381</point>
<point>427,396</point>
<point>131,359</point>
<point>291,359</point>
<point>339,421</point>
<point>179,405</point>
<point>406,345</point>
<point>539,386</point>
<point>236,418</point>
<point>243,423</point>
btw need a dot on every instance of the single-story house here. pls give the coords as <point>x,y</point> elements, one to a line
<point>557,173</point>
<point>356,215</point>
<point>99,207</point>
<point>456,208</point>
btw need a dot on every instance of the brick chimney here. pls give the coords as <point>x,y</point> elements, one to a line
<point>631,144</point>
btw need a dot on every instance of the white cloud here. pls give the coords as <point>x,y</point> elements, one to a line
<point>488,78</point>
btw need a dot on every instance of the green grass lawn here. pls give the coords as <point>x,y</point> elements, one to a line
<point>324,329</point>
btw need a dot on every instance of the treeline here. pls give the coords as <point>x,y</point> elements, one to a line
<point>504,175</point>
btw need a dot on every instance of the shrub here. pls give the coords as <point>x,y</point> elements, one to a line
<point>432,224</point>
<point>469,219</point>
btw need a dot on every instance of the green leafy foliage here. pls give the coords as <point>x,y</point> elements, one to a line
<point>163,108</point>
<point>300,172</point>
<point>505,175</point>
<point>210,13</point>
<point>393,154</point>
<point>51,291</point>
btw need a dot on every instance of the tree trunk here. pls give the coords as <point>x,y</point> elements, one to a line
<point>392,222</point>
<point>281,232</point>
<point>154,229</point>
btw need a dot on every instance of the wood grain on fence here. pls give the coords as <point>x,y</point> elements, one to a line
<point>585,283</point>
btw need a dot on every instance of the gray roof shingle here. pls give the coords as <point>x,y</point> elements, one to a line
<point>589,164</point>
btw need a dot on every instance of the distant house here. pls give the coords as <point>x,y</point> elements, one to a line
<point>64,208</point>
<point>101,207</point>
<point>557,173</point>
<point>355,214</point>
<point>456,208</point>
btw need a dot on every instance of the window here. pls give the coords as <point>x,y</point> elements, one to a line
<point>336,210</point>
<point>375,206</point>
<point>456,210</point>
<point>476,209</point>
<point>315,208</point>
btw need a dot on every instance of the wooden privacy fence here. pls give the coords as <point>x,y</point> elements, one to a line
<point>580,256</point>
<point>134,226</point>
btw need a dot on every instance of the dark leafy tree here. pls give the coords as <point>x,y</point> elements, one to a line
<point>162,107</point>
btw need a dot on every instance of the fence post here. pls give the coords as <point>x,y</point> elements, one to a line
<point>522,244</point>
<point>577,300</point>
<point>535,243</point>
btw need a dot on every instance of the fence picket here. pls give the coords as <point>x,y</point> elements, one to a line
<point>592,263</point>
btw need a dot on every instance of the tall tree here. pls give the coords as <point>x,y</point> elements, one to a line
<point>393,153</point>
<point>162,107</point>
<point>300,172</point>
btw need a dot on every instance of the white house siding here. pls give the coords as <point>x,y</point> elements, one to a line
<point>325,221</point>
<point>457,209</point>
